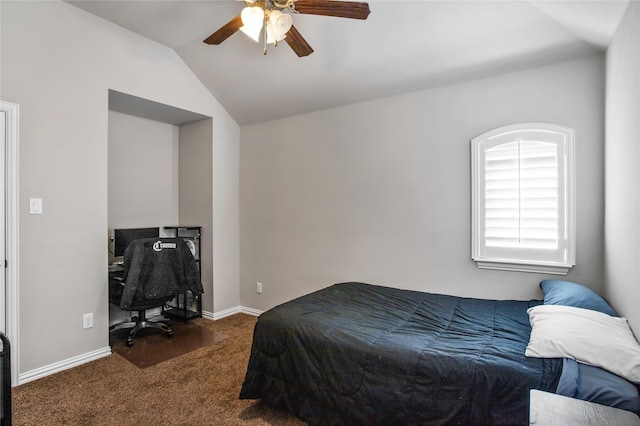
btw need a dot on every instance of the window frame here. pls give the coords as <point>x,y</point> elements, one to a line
<point>517,259</point>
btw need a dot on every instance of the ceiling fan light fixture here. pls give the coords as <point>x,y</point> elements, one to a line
<point>252,20</point>
<point>278,24</point>
<point>281,22</point>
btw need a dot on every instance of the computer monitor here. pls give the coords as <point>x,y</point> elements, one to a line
<point>119,240</point>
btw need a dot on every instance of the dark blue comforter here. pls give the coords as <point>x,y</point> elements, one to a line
<point>356,353</point>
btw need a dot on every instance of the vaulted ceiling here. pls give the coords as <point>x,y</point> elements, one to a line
<point>403,46</point>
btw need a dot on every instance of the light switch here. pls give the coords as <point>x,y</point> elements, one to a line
<point>35,205</point>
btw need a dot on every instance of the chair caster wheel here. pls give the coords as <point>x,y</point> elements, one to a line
<point>170,334</point>
<point>129,343</point>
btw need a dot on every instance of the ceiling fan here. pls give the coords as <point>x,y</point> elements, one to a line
<point>273,19</point>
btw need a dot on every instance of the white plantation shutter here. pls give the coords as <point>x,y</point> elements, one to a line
<point>522,198</point>
<point>521,195</point>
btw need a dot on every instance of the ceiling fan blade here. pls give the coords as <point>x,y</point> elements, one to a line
<point>226,31</point>
<point>341,9</point>
<point>297,43</point>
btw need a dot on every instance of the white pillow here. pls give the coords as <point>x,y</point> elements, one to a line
<point>587,336</point>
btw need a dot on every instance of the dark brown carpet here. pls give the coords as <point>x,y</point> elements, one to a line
<point>152,346</point>
<point>200,387</point>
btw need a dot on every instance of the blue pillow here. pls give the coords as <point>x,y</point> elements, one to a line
<point>571,294</point>
<point>594,384</point>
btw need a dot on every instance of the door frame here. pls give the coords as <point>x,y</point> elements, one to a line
<point>11,112</point>
<point>3,255</point>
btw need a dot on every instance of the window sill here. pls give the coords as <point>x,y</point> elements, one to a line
<point>524,267</point>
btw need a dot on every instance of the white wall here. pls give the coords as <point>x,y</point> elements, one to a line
<point>143,172</point>
<point>226,222</point>
<point>380,191</point>
<point>196,195</point>
<point>58,63</point>
<point>622,227</point>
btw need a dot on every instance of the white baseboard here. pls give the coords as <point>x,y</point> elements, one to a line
<point>56,367</point>
<point>231,311</point>
<point>47,370</point>
<point>251,311</point>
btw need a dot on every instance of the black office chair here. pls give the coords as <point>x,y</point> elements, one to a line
<point>5,400</point>
<point>156,270</point>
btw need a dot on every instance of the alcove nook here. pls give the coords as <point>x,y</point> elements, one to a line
<point>160,173</point>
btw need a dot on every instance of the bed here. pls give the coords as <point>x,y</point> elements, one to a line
<point>356,353</point>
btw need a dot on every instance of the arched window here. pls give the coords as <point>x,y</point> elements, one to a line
<point>523,216</point>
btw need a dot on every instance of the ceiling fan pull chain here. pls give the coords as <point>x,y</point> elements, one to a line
<point>264,51</point>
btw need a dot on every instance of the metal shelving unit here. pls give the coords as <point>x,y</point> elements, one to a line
<point>186,306</point>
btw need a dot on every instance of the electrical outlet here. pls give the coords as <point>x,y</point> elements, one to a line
<point>259,288</point>
<point>87,321</point>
